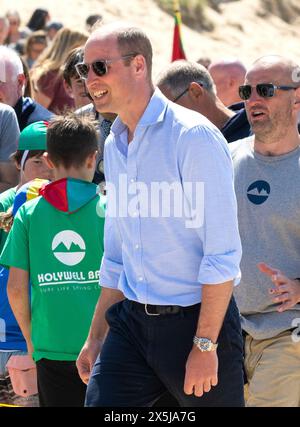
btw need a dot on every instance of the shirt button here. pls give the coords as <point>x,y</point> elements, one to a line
<point>132,180</point>
<point>141,279</point>
<point>137,246</point>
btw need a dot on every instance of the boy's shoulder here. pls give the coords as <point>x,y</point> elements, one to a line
<point>7,198</point>
<point>30,206</point>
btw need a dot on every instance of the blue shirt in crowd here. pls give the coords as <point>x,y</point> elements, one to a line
<point>171,221</point>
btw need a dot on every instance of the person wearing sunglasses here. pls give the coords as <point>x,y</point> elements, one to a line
<point>190,84</point>
<point>267,185</point>
<point>166,278</point>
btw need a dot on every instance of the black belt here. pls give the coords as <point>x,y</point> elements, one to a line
<point>156,310</point>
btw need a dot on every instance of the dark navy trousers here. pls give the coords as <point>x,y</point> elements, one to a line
<point>144,356</point>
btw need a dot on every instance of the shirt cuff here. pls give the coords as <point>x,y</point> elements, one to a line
<point>216,269</point>
<point>110,272</point>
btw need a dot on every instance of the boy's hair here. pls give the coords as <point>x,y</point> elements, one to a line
<point>71,138</point>
<point>17,155</point>
<point>69,70</point>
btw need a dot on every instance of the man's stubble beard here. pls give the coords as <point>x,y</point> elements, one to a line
<point>275,128</point>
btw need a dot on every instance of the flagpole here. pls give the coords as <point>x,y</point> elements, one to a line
<point>176,6</point>
<point>178,51</point>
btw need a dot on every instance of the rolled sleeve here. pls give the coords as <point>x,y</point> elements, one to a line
<point>208,161</point>
<point>112,262</point>
<point>110,272</point>
<point>217,269</point>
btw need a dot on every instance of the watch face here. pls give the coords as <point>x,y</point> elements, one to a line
<point>205,345</point>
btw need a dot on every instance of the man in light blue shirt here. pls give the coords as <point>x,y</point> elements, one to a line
<point>171,243</point>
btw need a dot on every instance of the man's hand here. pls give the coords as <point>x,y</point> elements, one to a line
<point>286,291</point>
<point>201,372</point>
<point>87,358</point>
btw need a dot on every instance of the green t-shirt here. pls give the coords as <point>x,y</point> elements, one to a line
<point>62,253</point>
<point>6,201</point>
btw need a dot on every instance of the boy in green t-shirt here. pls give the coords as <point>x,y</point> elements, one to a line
<point>56,242</point>
<point>29,162</point>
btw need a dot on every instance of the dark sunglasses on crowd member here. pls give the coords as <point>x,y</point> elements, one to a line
<point>100,67</point>
<point>265,90</point>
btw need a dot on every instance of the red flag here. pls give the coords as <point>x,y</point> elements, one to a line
<point>178,52</point>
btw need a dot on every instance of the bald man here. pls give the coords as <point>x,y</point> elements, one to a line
<point>228,75</point>
<point>267,185</point>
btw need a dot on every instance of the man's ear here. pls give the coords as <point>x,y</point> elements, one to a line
<point>297,96</point>
<point>21,82</point>
<point>140,64</point>
<point>91,160</point>
<point>195,90</point>
<point>48,160</point>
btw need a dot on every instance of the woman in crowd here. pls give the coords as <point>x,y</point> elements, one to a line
<point>15,34</point>
<point>47,75</point>
<point>35,45</point>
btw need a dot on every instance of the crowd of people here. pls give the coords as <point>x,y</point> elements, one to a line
<point>149,231</point>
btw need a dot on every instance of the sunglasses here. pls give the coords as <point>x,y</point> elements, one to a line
<point>186,90</point>
<point>265,90</point>
<point>99,67</point>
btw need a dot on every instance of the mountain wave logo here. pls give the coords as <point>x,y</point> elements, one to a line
<point>258,192</point>
<point>68,247</point>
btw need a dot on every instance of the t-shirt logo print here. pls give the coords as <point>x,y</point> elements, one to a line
<point>258,192</point>
<point>68,247</point>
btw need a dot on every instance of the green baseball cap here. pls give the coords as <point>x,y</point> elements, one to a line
<point>34,137</point>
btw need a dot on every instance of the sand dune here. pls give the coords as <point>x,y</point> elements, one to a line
<point>239,31</point>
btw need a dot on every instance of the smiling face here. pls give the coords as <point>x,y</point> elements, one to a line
<point>270,117</point>
<point>112,92</point>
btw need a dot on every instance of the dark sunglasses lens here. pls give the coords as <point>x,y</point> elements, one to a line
<point>99,68</point>
<point>245,92</point>
<point>265,90</point>
<point>82,70</point>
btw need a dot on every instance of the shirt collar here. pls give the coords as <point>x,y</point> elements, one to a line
<point>153,114</point>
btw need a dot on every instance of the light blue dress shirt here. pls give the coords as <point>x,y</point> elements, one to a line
<point>160,250</point>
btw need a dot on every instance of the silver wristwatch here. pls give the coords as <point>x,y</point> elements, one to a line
<point>204,344</point>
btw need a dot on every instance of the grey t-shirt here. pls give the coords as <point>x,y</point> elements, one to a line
<point>9,132</point>
<point>268,196</point>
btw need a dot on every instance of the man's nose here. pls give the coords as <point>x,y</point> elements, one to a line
<point>254,95</point>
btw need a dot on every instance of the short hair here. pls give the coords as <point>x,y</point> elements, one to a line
<point>17,155</point>
<point>5,20</point>
<point>180,74</point>
<point>71,138</point>
<point>134,40</point>
<point>9,56</point>
<point>69,70</point>
<point>38,19</point>
<point>14,13</point>
<point>92,19</point>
